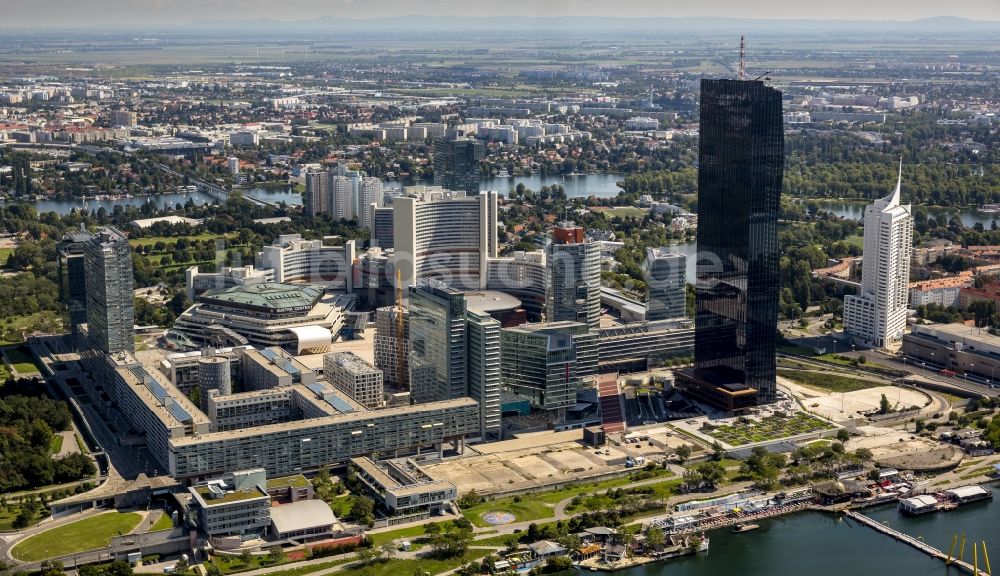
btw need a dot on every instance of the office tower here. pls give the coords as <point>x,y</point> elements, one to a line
<point>741,159</point>
<point>233,163</point>
<point>445,235</point>
<point>664,273</point>
<point>72,276</point>
<point>387,347</point>
<point>125,118</point>
<point>523,275</point>
<point>546,363</point>
<point>456,162</point>
<point>877,315</point>
<point>483,333</point>
<point>574,267</point>
<point>370,193</point>
<point>341,198</point>
<point>381,225</point>
<point>109,285</point>
<point>437,343</point>
<point>316,199</point>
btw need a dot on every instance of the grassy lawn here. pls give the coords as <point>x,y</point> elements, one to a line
<point>770,428</point>
<point>4,254</point>
<point>301,570</point>
<point>21,360</point>
<point>12,326</point>
<point>542,505</point>
<point>56,445</point>
<point>625,212</point>
<point>380,538</point>
<point>87,534</point>
<point>858,241</point>
<point>168,239</point>
<point>827,381</point>
<point>406,567</point>
<point>164,522</point>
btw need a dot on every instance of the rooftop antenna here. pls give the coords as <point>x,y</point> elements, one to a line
<point>741,71</point>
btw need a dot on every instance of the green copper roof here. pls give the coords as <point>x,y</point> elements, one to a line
<point>267,295</point>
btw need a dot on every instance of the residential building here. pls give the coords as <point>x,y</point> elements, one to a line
<point>288,447</point>
<point>941,291</point>
<point>456,162</point>
<point>109,285</point>
<point>233,164</point>
<point>664,271</point>
<point>876,316</point>
<point>316,199</point>
<point>244,138</point>
<point>349,373</point>
<point>370,193</point>
<point>388,355</point>
<point>574,269</point>
<point>740,169</point>
<point>126,118</point>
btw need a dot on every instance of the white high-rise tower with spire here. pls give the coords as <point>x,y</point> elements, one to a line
<point>877,315</point>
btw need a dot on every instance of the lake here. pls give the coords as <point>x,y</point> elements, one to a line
<point>856,210</point>
<point>64,206</point>
<point>819,544</point>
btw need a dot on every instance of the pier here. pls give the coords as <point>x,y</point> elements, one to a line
<point>915,543</point>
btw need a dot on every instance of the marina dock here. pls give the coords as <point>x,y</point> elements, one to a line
<point>913,542</point>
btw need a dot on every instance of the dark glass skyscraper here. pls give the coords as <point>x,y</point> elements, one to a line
<point>741,160</point>
<point>456,162</point>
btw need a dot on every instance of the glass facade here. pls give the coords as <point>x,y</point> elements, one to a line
<point>456,163</point>
<point>741,160</point>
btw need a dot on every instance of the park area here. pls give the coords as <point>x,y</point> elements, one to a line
<point>769,428</point>
<point>87,534</point>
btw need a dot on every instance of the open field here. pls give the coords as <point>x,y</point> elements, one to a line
<point>13,326</point>
<point>625,212</point>
<point>164,522</point>
<point>827,381</point>
<point>87,534</point>
<point>168,239</point>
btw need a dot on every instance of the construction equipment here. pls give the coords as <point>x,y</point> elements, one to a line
<point>741,71</point>
<point>400,333</point>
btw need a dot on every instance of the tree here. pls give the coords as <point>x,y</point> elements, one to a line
<point>275,554</point>
<point>843,435</point>
<point>884,407</point>
<point>387,550</point>
<point>365,555</point>
<point>718,452</point>
<point>246,558</point>
<point>432,529</point>
<point>362,511</point>
<point>712,473</point>
<point>655,538</point>
<point>683,453</point>
<point>692,479</point>
<point>118,568</point>
<point>863,454</point>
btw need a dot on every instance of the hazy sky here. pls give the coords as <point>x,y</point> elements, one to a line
<point>150,13</point>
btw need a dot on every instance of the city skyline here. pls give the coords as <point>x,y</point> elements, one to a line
<point>158,14</point>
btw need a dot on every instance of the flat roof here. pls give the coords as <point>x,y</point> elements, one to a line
<point>491,301</point>
<point>228,497</point>
<point>356,416</point>
<point>967,491</point>
<point>294,481</point>
<point>302,515</point>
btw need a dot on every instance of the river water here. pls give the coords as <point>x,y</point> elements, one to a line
<point>816,544</point>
